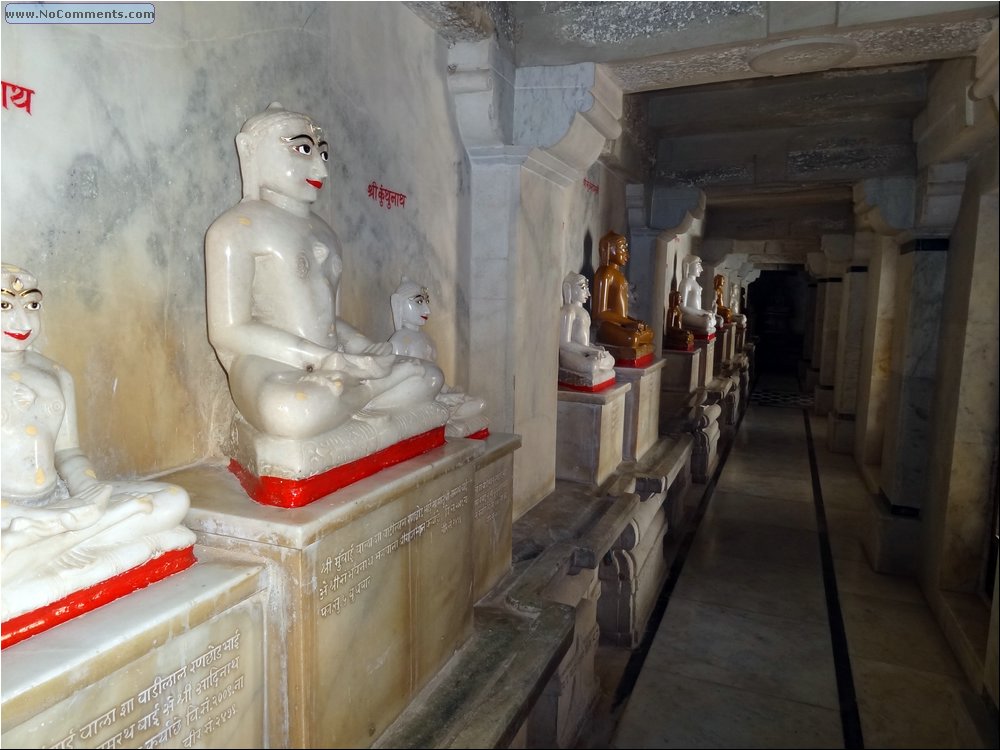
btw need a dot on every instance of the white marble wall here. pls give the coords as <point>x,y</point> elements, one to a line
<point>128,155</point>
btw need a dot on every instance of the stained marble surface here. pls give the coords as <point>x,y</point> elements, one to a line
<point>113,217</point>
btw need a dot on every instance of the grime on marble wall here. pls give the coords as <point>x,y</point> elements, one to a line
<point>114,212</point>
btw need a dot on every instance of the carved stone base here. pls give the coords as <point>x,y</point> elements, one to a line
<point>290,473</point>
<point>642,408</point>
<point>19,628</point>
<point>630,356</point>
<point>574,381</point>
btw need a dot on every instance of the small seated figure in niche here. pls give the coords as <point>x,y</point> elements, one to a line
<point>629,339</point>
<point>312,392</point>
<point>676,337</point>
<point>695,318</point>
<point>410,311</point>
<point>62,530</point>
<point>723,314</point>
<point>582,365</point>
<point>734,305</point>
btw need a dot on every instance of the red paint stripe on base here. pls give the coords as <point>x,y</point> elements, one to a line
<point>704,337</point>
<point>481,435</point>
<point>643,361</point>
<point>294,493</point>
<point>589,388</point>
<point>16,629</point>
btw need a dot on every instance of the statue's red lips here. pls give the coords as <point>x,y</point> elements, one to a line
<point>318,184</point>
<point>17,335</point>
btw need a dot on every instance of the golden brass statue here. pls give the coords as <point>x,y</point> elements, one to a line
<point>627,338</point>
<point>675,336</point>
<point>720,309</point>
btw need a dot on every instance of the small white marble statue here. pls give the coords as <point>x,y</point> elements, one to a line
<point>62,529</point>
<point>297,371</point>
<point>410,305</point>
<point>580,362</point>
<point>693,315</point>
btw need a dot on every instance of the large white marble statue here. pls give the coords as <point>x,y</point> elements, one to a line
<point>313,393</point>
<point>694,317</point>
<point>303,380</point>
<point>63,530</point>
<point>410,305</point>
<point>581,364</point>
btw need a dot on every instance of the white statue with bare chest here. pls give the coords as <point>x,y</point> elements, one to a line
<point>63,530</point>
<point>300,376</point>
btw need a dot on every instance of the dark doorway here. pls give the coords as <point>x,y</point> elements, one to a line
<point>776,312</point>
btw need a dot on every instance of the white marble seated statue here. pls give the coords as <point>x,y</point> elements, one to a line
<point>300,376</point>
<point>695,318</point>
<point>63,530</point>
<point>410,305</point>
<point>581,364</point>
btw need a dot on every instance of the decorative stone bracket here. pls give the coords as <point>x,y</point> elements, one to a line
<point>556,119</point>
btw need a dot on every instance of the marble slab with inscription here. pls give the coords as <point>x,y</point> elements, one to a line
<point>493,511</point>
<point>590,430</point>
<point>179,665</point>
<point>371,588</point>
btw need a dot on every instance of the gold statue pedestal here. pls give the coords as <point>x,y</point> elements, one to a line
<point>631,356</point>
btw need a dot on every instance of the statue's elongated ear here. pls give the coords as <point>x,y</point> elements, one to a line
<point>248,166</point>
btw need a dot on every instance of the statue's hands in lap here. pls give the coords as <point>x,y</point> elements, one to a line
<point>24,524</point>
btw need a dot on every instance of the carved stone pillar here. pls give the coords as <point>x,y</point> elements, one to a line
<point>538,128</point>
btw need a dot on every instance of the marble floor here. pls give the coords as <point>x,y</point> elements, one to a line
<point>775,631</point>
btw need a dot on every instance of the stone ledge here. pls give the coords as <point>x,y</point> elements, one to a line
<point>482,697</point>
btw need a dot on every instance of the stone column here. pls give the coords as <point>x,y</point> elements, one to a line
<point>876,355</point>
<point>806,380</point>
<point>838,250</point>
<point>840,433</point>
<point>534,130</point>
<point>905,451</point>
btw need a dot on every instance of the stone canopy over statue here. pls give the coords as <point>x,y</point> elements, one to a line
<point>63,532</point>
<point>629,339</point>
<point>411,309</point>
<point>695,318</point>
<point>582,365</point>
<point>319,404</point>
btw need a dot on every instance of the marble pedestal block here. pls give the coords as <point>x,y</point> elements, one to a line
<point>840,432</point>
<point>590,430</point>
<point>723,343</point>
<point>705,346</point>
<point>493,511</point>
<point>678,381</point>
<point>681,371</point>
<point>822,399</point>
<point>371,588</point>
<point>891,541</point>
<point>642,408</point>
<point>179,664</point>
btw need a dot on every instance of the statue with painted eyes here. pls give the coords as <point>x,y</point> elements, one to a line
<point>62,529</point>
<point>311,391</point>
<point>627,338</point>
<point>410,305</point>
<point>582,365</point>
<point>693,315</point>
